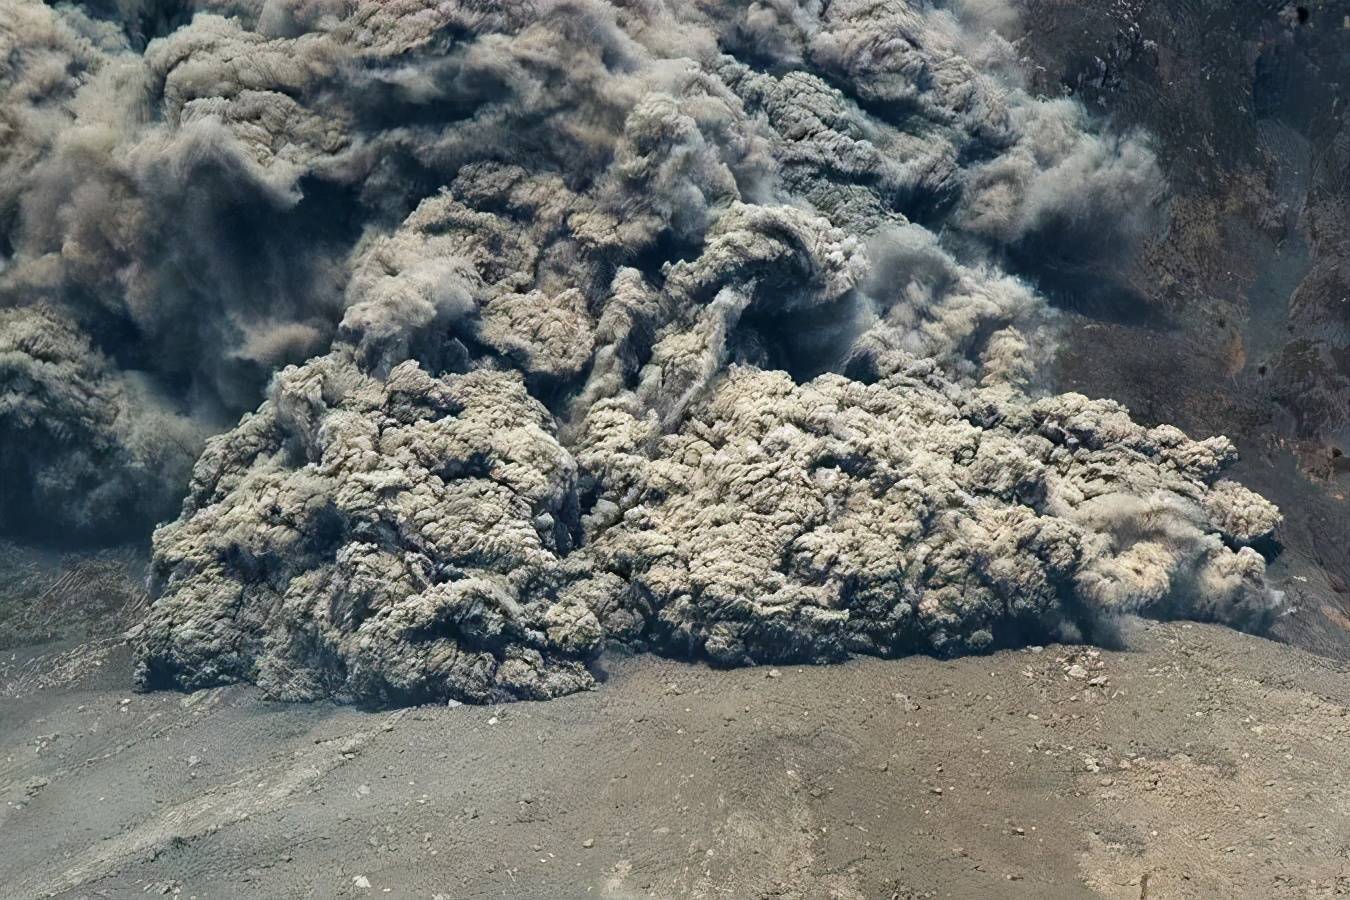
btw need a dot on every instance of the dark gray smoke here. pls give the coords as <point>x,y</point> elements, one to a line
<point>563,273</point>
<point>84,447</point>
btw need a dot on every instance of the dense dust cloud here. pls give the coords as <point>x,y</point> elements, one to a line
<point>718,329</point>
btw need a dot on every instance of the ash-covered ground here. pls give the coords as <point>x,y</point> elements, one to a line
<point>1201,762</point>
<point>450,344</point>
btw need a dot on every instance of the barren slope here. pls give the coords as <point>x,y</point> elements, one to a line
<point>1209,761</point>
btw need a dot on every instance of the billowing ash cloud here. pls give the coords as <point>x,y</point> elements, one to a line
<point>708,327</point>
<point>411,537</point>
<point>84,448</point>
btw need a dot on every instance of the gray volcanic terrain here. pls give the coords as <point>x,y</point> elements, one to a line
<point>1201,762</point>
<point>784,449</point>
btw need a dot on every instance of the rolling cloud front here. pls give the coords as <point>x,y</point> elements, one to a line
<point>454,339</point>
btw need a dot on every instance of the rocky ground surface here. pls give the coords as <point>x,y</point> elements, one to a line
<point>1199,762</point>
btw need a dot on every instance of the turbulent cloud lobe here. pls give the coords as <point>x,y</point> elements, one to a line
<point>710,328</point>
